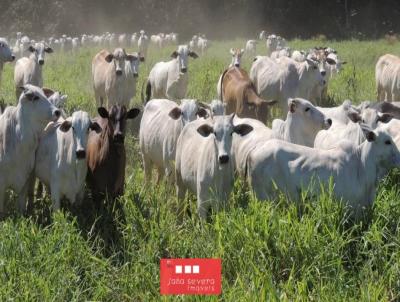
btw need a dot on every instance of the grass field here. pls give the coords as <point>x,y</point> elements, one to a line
<point>270,251</point>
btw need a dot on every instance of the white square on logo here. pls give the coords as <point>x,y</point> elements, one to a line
<point>188,269</point>
<point>178,269</point>
<point>196,269</point>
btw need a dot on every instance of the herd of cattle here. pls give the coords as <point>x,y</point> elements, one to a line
<point>198,147</point>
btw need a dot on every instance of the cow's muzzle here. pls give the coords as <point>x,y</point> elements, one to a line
<point>223,159</point>
<point>41,62</point>
<point>184,70</point>
<point>119,138</point>
<point>118,72</point>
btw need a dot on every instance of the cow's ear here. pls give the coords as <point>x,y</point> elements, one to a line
<point>65,126</point>
<point>384,117</point>
<point>48,92</point>
<point>48,49</point>
<point>202,112</point>
<point>131,114</point>
<point>354,116</point>
<point>103,112</point>
<point>109,57</point>
<point>193,54</point>
<point>232,51</point>
<point>175,113</point>
<point>94,126</point>
<point>174,54</point>
<point>131,57</point>
<point>205,130</point>
<point>369,134</point>
<point>292,105</point>
<point>141,58</point>
<point>271,102</point>
<point>242,129</point>
<point>31,48</point>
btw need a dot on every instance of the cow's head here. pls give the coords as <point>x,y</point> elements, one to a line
<point>258,108</point>
<point>133,60</point>
<point>236,56</point>
<point>188,111</point>
<point>314,71</point>
<point>381,148</point>
<point>272,42</point>
<point>182,54</point>
<point>56,98</point>
<point>308,116</point>
<point>369,117</point>
<point>117,58</point>
<point>117,116</point>
<point>36,107</point>
<point>80,124</point>
<point>6,54</point>
<point>221,129</point>
<point>39,50</point>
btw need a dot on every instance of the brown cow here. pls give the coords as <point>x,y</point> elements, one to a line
<point>106,153</point>
<point>239,95</point>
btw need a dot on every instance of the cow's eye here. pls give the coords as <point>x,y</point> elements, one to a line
<point>307,109</point>
<point>363,120</point>
<point>35,98</point>
<point>388,142</point>
<point>315,67</point>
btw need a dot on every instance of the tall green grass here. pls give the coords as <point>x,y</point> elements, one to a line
<point>270,251</point>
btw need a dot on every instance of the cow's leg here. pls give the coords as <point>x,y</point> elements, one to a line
<point>22,195</point>
<point>203,200</point>
<point>55,196</point>
<point>380,93</point>
<point>160,175</point>
<point>147,167</point>
<point>31,193</point>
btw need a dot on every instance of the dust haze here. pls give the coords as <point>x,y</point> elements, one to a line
<point>224,19</point>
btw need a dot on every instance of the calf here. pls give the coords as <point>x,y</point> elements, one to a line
<point>161,124</point>
<point>61,158</point>
<point>6,54</point>
<point>29,70</point>
<point>203,162</point>
<point>240,97</point>
<point>302,123</point>
<point>106,157</point>
<point>170,79</point>
<point>354,170</point>
<point>20,129</point>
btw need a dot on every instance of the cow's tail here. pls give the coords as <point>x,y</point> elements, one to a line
<point>222,80</point>
<point>146,98</point>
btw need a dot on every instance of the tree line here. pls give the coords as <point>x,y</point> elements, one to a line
<point>337,19</point>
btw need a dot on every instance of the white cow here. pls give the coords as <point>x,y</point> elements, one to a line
<point>170,79</point>
<point>262,35</point>
<point>242,145</point>
<point>281,52</point>
<point>299,55</point>
<point>342,113</point>
<point>331,138</point>
<point>284,78</point>
<point>61,157</point>
<point>20,128</point>
<point>133,40</point>
<point>302,123</point>
<point>6,54</point>
<point>143,43</point>
<point>236,56</point>
<point>193,44</point>
<point>29,70</point>
<point>387,77</point>
<point>251,47</point>
<point>112,74</point>
<point>272,44</point>
<point>354,170</point>
<point>202,45</point>
<point>203,163</point>
<point>161,124</point>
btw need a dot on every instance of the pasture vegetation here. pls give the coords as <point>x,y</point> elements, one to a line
<point>270,251</point>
